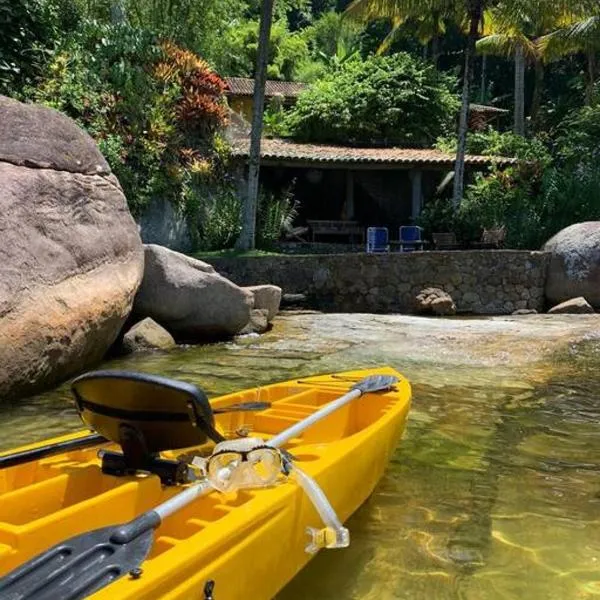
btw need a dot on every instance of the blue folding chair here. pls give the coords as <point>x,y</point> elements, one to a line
<point>377,239</point>
<point>410,238</point>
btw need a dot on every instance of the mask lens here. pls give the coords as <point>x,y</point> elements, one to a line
<point>222,466</point>
<point>265,463</point>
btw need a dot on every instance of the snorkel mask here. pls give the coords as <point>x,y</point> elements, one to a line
<point>243,463</point>
<point>251,463</point>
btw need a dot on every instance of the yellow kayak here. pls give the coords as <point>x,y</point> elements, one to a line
<point>227,545</point>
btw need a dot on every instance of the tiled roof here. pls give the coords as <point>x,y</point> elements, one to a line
<point>281,150</point>
<point>484,108</point>
<point>243,86</point>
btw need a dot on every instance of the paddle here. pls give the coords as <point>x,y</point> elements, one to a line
<point>84,564</point>
<point>19,458</point>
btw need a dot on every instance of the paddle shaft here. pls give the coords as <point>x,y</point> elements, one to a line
<point>19,458</point>
<point>183,498</point>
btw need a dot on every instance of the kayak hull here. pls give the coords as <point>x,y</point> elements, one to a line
<point>250,544</point>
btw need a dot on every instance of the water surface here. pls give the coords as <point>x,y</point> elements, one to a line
<point>494,492</point>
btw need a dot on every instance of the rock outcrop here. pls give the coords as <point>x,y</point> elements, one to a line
<point>435,301</point>
<point>189,298</point>
<point>574,306</point>
<point>147,335</point>
<point>266,297</point>
<point>71,258</point>
<point>575,264</point>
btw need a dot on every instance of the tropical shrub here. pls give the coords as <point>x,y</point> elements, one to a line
<point>154,109</point>
<point>286,51</point>
<point>542,194</point>
<point>28,31</point>
<point>275,215</point>
<point>393,99</point>
<point>495,143</point>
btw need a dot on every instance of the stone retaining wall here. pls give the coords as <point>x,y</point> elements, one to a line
<point>480,281</point>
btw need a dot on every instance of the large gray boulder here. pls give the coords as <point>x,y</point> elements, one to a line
<point>575,264</point>
<point>189,298</point>
<point>71,258</point>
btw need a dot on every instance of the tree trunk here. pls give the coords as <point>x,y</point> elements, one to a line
<point>247,239</point>
<point>435,49</point>
<point>591,77</point>
<point>482,93</point>
<point>538,87</point>
<point>519,126</point>
<point>475,13</point>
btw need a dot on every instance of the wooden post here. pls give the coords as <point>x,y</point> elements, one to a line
<point>348,209</point>
<point>416,178</point>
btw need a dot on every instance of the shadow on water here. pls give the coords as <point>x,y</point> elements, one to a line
<point>498,473</point>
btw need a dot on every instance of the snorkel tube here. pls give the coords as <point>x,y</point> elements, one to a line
<point>334,534</point>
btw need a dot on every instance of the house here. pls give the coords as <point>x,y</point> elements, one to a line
<point>240,94</point>
<point>385,186</point>
<point>374,186</point>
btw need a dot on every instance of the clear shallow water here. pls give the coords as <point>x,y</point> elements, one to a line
<point>494,492</point>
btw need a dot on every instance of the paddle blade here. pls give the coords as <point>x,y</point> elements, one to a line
<point>375,383</point>
<point>77,568</point>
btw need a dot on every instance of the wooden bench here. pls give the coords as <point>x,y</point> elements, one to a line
<point>345,228</point>
<point>445,241</point>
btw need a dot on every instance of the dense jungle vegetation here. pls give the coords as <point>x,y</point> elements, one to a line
<point>144,78</point>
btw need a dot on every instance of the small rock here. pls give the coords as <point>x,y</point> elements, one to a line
<point>147,335</point>
<point>268,297</point>
<point>525,311</point>
<point>577,305</point>
<point>436,301</point>
<point>259,322</point>
<point>293,300</point>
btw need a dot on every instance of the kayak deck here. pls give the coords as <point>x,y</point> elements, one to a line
<point>251,543</point>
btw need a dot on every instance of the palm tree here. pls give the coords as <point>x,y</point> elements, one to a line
<point>581,36</point>
<point>512,33</point>
<point>429,16</point>
<point>463,12</point>
<point>247,239</point>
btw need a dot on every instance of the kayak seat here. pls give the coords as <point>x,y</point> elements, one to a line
<point>145,414</point>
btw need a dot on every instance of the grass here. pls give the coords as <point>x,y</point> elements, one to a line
<point>233,253</point>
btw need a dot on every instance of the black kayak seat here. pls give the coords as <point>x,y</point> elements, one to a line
<point>145,414</point>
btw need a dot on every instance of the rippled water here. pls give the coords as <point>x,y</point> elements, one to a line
<point>494,492</point>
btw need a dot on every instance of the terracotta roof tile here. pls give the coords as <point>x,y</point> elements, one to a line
<point>276,149</point>
<point>244,86</point>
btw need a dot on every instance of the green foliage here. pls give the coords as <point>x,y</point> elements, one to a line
<point>495,143</point>
<point>217,213</point>
<point>275,214</point>
<point>28,30</point>
<point>153,109</point>
<point>538,198</point>
<point>579,135</point>
<point>395,99</point>
<point>287,50</point>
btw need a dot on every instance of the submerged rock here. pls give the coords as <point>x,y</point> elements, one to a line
<point>267,297</point>
<point>573,306</point>
<point>147,335</point>
<point>575,264</point>
<point>71,258</point>
<point>259,321</point>
<point>189,298</point>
